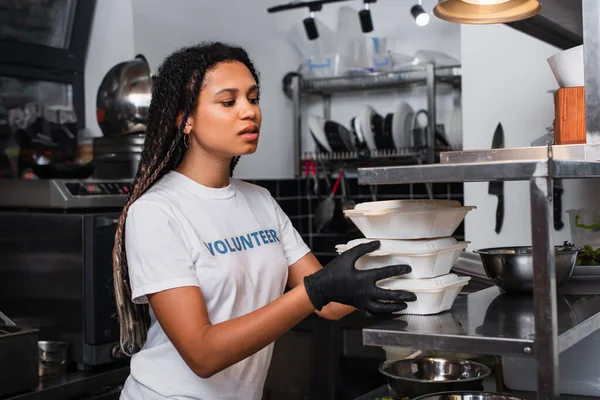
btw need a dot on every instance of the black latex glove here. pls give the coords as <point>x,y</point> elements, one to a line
<point>340,282</point>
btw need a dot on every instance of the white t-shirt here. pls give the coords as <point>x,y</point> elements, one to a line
<point>235,244</point>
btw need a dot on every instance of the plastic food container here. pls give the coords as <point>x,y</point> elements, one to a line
<point>585,227</point>
<point>408,219</point>
<point>434,295</point>
<point>427,258</point>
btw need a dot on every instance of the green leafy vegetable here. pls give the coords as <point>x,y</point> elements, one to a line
<point>588,256</point>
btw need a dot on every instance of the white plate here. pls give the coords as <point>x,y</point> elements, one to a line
<point>365,121</point>
<point>317,129</point>
<point>400,130</point>
<point>358,129</point>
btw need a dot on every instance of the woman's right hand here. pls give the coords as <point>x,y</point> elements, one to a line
<point>340,282</point>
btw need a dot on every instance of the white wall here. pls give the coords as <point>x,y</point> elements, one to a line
<point>160,27</point>
<point>506,79</point>
<point>111,42</point>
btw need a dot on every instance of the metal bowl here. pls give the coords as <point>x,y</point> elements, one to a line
<point>511,268</point>
<point>468,396</point>
<point>419,376</point>
<point>123,98</point>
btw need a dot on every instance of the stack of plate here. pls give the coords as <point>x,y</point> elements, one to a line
<point>416,233</point>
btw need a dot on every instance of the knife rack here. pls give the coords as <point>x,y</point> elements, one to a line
<point>569,118</point>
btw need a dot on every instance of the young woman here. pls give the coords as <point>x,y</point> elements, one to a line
<point>212,255</point>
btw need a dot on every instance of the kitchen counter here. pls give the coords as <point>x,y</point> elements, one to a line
<point>489,385</point>
<point>100,383</point>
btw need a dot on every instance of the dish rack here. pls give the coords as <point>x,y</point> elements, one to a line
<point>424,75</point>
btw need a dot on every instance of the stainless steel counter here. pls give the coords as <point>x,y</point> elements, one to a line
<point>488,322</point>
<point>99,383</point>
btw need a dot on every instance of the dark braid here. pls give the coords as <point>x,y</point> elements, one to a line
<point>175,91</point>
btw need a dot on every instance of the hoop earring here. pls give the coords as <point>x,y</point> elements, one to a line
<point>187,143</point>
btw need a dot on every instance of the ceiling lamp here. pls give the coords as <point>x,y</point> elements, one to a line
<point>366,22</point>
<point>419,14</point>
<point>486,11</point>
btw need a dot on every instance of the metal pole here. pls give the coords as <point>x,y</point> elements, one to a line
<point>430,69</point>
<point>327,107</point>
<point>544,288</point>
<point>591,56</point>
<point>297,126</point>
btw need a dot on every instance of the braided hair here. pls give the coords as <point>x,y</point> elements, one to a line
<point>175,91</point>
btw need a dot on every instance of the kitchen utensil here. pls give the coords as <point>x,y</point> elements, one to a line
<point>123,98</point>
<point>468,396</point>
<point>416,377</point>
<point>567,67</point>
<point>511,268</point>
<point>365,119</point>
<point>326,208</point>
<point>408,222</point>
<point>557,193</point>
<point>434,295</point>
<point>52,358</point>
<point>497,188</point>
<point>427,258</point>
<point>383,132</point>
<point>316,126</point>
<point>339,137</point>
<point>401,125</point>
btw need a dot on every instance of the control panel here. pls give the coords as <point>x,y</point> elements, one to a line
<point>104,188</point>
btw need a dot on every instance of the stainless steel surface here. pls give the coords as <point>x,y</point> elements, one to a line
<point>52,358</point>
<point>479,172</point>
<point>591,56</point>
<point>468,396</point>
<point>544,288</point>
<point>560,152</point>
<point>415,377</point>
<point>511,268</point>
<point>55,193</point>
<point>297,125</point>
<point>117,157</point>
<point>430,72</point>
<point>489,322</point>
<point>55,270</point>
<point>585,272</point>
<point>414,76</point>
<point>123,98</point>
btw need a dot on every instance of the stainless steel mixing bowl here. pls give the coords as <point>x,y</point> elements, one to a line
<point>511,268</point>
<point>419,376</point>
<point>468,396</point>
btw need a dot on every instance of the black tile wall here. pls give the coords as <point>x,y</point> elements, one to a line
<point>299,201</point>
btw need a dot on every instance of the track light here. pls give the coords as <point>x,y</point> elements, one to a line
<point>486,11</point>
<point>366,22</point>
<point>419,14</point>
<point>310,26</point>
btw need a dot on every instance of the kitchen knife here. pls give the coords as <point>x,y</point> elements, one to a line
<point>497,188</point>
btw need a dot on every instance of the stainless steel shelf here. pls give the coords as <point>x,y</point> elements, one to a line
<point>480,172</point>
<point>416,76</point>
<point>488,322</point>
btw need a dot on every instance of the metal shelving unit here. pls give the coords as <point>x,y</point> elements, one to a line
<point>426,75</point>
<point>548,332</point>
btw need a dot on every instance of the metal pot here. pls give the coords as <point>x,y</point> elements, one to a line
<point>419,376</point>
<point>468,396</point>
<point>124,97</point>
<point>511,268</point>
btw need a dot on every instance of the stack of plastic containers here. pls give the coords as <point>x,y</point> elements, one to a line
<point>417,233</point>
